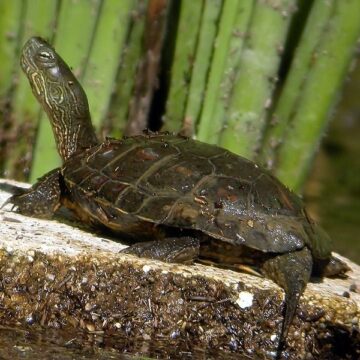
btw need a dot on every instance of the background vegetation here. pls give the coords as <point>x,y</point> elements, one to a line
<point>259,77</point>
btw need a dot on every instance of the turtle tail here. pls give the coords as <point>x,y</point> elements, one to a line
<point>292,272</point>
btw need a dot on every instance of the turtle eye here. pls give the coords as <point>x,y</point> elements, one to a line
<point>44,55</point>
<point>45,58</point>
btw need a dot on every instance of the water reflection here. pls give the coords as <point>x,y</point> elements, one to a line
<point>45,344</point>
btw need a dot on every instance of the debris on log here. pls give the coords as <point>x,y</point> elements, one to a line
<point>58,275</point>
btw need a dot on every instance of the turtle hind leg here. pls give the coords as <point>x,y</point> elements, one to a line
<point>172,249</point>
<point>292,272</point>
<point>42,199</point>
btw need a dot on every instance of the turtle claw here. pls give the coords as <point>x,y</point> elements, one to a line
<point>21,203</point>
<point>14,208</point>
<point>8,201</point>
<point>17,191</point>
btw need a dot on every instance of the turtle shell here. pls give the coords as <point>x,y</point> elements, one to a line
<point>136,185</point>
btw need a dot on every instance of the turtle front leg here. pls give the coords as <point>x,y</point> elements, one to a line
<point>42,199</point>
<point>292,272</point>
<point>172,249</point>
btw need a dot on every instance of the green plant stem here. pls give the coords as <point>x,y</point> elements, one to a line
<point>202,62</point>
<point>252,94</point>
<point>102,66</point>
<point>325,76</point>
<point>187,34</point>
<point>10,20</point>
<point>120,101</point>
<point>39,18</point>
<point>291,93</point>
<point>235,48</point>
<point>206,130</point>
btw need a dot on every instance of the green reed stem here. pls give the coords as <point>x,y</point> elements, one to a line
<point>292,90</point>
<point>186,39</point>
<point>206,130</point>
<point>256,77</point>
<point>326,73</point>
<point>39,18</point>
<point>125,80</point>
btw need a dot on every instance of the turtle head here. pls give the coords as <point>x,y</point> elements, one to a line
<point>39,60</point>
<point>61,96</point>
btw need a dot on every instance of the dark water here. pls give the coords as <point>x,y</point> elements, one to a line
<point>41,344</point>
<point>17,343</point>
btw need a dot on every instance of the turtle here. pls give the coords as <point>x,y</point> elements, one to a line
<point>173,198</point>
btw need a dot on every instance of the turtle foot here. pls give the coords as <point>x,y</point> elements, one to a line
<point>173,249</point>
<point>292,272</point>
<point>41,200</point>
